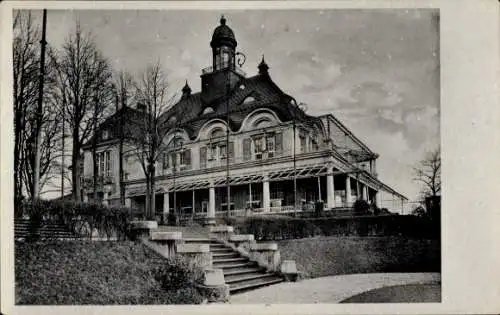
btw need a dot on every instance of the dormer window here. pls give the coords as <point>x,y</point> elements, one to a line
<point>208,110</point>
<point>249,99</point>
<point>105,135</point>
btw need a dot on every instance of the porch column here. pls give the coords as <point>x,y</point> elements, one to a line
<point>266,196</point>
<point>166,203</point>
<point>364,191</point>
<point>330,189</point>
<point>378,199</point>
<point>348,190</point>
<point>211,202</point>
<point>128,202</point>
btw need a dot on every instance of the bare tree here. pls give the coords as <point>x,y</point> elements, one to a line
<point>81,70</point>
<point>123,90</point>
<point>26,70</point>
<point>428,173</point>
<point>151,93</point>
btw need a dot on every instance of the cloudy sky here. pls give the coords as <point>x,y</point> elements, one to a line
<point>375,70</point>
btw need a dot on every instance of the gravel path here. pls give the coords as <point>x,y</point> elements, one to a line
<point>330,289</point>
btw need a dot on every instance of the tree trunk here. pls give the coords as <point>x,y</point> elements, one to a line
<point>121,173</point>
<point>75,165</point>
<point>153,192</point>
<point>95,174</point>
<point>148,196</point>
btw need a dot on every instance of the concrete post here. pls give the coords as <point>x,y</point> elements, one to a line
<point>215,285</point>
<point>364,192</point>
<point>166,242</point>
<point>348,197</point>
<point>288,268</point>
<point>140,230</point>
<point>242,241</point>
<point>266,196</point>
<point>198,253</point>
<point>330,189</point>
<point>221,232</point>
<point>266,255</point>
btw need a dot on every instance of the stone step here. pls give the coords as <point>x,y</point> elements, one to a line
<point>233,279</point>
<point>228,254</point>
<point>198,240</point>
<point>253,284</point>
<point>227,266</point>
<point>219,261</point>
<point>242,270</point>
<point>221,250</point>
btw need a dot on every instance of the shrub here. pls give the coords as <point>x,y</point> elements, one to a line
<point>361,207</point>
<point>82,218</point>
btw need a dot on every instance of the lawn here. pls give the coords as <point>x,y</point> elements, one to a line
<point>411,293</point>
<point>328,256</point>
<point>64,273</point>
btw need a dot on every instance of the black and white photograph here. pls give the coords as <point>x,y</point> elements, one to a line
<point>226,156</point>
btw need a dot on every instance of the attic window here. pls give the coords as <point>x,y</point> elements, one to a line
<point>208,110</point>
<point>172,120</point>
<point>105,135</point>
<point>242,87</point>
<point>249,99</point>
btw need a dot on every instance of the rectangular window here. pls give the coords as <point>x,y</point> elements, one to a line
<point>222,152</point>
<point>203,157</point>
<point>270,145</point>
<point>278,143</point>
<point>231,150</point>
<point>108,163</point>
<point>101,163</point>
<point>165,161</point>
<point>187,157</point>
<point>303,144</point>
<point>247,144</point>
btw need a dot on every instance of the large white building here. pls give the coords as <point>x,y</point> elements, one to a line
<point>271,144</point>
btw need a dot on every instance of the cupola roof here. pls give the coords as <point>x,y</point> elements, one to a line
<point>223,35</point>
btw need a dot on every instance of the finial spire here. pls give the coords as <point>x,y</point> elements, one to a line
<point>186,90</point>
<point>222,20</point>
<point>263,67</point>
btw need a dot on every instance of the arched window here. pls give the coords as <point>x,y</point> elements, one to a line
<point>263,123</point>
<point>216,133</point>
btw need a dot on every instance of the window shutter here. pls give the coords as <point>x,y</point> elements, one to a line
<point>187,157</point>
<point>231,150</point>
<point>165,161</point>
<point>278,142</point>
<point>173,158</point>
<point>247,143</point>
<point>203,157</point>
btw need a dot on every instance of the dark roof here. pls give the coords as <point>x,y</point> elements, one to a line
<point>261,88</point>
<point>128,117</point>
<point>189,110</point>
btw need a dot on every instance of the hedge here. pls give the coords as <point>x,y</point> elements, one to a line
<point>83,219</point>
<point>275,227</point>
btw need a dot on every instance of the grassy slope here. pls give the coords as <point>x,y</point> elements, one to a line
<point>86,273</point>
<point>327,256</point>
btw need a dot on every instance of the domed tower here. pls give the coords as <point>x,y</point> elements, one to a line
<point>223,46</point>
<point>223,75</point>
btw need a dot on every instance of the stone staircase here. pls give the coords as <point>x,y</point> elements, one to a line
<point>240,273</point>
<point>23,230</point>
